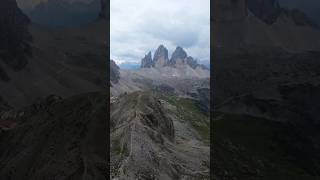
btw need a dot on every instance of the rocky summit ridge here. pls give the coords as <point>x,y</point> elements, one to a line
<point>161,59</point>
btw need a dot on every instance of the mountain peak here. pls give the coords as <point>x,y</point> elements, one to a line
<point>178,56</point>
<point>160,57</point>
<point>147,62</point>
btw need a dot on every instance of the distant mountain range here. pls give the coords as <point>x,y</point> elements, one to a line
<point>161,59</point>
<point>160,110</point>
<point>178,58</point>
<point>129,65</point>
<point>161,73</point>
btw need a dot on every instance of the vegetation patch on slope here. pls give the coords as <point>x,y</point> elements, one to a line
<point>189,110</point>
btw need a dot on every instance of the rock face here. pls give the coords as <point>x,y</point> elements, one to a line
<point>160,57</point>
<point>114,72</point>
<point>147,62</point>
<point>14,37</point>
<point>178,56</point>
<point>191,62</point>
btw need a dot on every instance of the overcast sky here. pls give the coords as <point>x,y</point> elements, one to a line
<point>142,25</point>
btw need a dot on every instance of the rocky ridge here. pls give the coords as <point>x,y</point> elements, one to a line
<point>147,62</point>
<point>149,141</point>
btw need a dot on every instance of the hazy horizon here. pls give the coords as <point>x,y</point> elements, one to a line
<point>138,27</point>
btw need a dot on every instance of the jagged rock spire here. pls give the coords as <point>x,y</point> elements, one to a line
<point>147,62</point>
<point>160,57</point>
<point>178,56</point>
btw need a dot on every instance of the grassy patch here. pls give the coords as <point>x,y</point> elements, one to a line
<point>117,149</point>
<point>189,110</point>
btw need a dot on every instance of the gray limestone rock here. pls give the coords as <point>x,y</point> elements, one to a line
<point>147,62</point>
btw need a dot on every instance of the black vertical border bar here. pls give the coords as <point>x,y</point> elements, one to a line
<point>108,88</point>
<point>211,92</point>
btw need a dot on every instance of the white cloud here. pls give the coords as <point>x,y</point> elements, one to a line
<point>142,25</point>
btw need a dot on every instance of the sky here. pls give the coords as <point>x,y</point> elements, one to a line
<point>140,26</point>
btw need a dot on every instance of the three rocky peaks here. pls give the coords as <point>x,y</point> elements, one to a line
<point>161,59</point>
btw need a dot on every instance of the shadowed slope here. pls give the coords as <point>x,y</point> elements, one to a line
<point>57,138</point>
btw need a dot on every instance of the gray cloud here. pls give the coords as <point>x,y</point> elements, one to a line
<point>142,25</point>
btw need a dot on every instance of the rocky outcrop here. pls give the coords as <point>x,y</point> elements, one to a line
<point>160,57</point>
<point>114,72</point>
<point>178,56</point>
<point>14,37</point>
<point>147,62</point>
<point>191,62</point>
